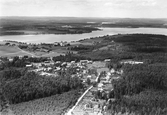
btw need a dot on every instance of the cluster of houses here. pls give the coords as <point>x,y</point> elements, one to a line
<point>50,68</point>
<point>61,43</point>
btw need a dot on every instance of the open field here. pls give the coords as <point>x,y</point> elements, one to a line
<point>8,49</point>
<point>11,51</point>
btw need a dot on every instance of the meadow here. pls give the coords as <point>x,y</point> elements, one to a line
<point>11,51</point>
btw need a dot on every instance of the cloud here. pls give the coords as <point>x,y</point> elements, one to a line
<point>130,3</point>
<point>95,2</point>
<point>117,8</point>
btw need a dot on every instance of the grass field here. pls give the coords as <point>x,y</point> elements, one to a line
<point>11,51</point>
<point>54,105</point>
<point>8,49</point>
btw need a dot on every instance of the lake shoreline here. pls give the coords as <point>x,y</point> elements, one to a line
<point>51,38</point>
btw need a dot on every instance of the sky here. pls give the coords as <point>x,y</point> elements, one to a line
<point>85,8</point>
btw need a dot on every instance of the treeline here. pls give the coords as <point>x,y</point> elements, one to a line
<point>21,62</point>
<point>81,48</point>
<point>32,86</point>
<point>69,57</point>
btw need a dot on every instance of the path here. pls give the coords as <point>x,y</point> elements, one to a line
<point>70,111</point>
<point>27,52</point>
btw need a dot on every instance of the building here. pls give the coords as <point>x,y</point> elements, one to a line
<point>63,43</point>
<point>107,60</point>
<point>131,62</point>
<point>10,59</point>
<point>100,86</point>
<point>84,61</point>
<point>29,65</point>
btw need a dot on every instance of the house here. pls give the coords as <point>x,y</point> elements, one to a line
<point>29,65</point>
<point>131,62</point>
<point>90,62</point>
<point>49,69</point>
<point>100,86</point>
<point>84,61</point>
<point>108,87</point>
<point>107,60</point>
<point>38,65</point>
<point>84,71</point>
<point>112,71</point>
<point>64,64</point>
<point>58,68</point>
<point>46,61</point>
<point>63,43</point>
<point>89,76</point>
<point>58,61</point>
<point>20,57</point>
<point>38,70</point>
<point>56,43</point>
<point>73,62</point>
<point>120,72</point>
<point>10,59</point>
<point>108,77</point>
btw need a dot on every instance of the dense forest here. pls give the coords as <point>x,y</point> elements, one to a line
<point>149,48</point>
<point>141,90</point>
<point>20,87</point>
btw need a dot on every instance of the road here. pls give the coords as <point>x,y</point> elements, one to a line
<point>27,52</point>
<point>70,111</point>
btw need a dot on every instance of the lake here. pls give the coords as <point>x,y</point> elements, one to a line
<point>50,38</point>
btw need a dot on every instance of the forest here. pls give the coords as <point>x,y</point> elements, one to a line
<point>149,48</point>
<point>20,87</point>
<point>141,90</point>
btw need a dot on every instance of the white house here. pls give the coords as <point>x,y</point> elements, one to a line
<point>100,86</point>
<point>107,60</point>
<point>30,65</point>
<point>112,71</point>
